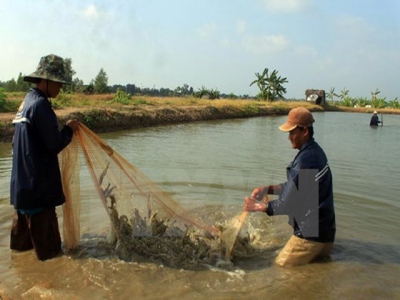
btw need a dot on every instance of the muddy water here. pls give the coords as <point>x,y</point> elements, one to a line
<point>209,168</point>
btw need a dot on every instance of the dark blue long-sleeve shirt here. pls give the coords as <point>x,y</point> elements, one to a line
<point>35,176</point>
<point>374,120</point>
<point>307,196</point>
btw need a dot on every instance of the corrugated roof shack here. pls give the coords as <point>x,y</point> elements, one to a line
<point>317,96</point>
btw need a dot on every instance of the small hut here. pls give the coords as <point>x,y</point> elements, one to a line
<point>317,96</point>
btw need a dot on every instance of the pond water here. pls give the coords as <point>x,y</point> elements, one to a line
<point>212,166</point>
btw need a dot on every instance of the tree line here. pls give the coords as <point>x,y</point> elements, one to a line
<point>270,85</point>
<point>346,100</point>
<point>99,85</point>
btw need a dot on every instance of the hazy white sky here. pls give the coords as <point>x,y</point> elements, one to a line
<point>345,44</point>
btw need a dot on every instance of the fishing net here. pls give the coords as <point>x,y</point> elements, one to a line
<point>145,221</point>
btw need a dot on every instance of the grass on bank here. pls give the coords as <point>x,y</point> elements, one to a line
<point>104,112</point>
<point>100,111</point>
<point>107,101</point>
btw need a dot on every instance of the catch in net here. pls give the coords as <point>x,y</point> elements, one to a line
<point>146,223</point>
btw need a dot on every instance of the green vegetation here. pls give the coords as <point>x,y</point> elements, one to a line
<point>121,111</point>
<point>347,101</point>
<point>270,86</point>
<point>6,105</point>
<point>140,101</point>
<point>207,93</point>
<point>121,97</point>
<point>394,103</point>
<point>343,94</point>
<point>100,83</point>
<point>13,85</point>
<point>63,99</point>
<point>2,100</point>
<point>332,94</point>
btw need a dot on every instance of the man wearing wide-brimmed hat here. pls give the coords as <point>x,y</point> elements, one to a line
<point>36,187</point>
<point>306,197</point>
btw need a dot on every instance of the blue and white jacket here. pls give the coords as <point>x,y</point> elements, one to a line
<point>307,196</point>
<point>35,176</point>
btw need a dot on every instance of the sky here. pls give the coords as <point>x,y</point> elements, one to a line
<point>349,45</point>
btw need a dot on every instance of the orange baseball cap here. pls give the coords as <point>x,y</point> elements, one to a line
<point>298,116</point>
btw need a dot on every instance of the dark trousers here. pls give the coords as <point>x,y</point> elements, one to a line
<point>39,231</point>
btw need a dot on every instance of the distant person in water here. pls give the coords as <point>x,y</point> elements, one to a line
<point>374,119</point>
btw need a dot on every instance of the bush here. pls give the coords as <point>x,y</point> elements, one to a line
<point>63,99</point>
<point>7,105</point>
<point>3,100</point>
<point>394,103</point>
<point>362,102</point>
<point>348,102</point>
<point>121,97</point>
<point>378,103</point>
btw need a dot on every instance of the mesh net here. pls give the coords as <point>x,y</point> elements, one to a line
<point>145,221</point>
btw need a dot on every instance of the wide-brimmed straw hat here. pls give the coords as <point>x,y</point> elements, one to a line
<point>298,116</point>
<point>51,67</point>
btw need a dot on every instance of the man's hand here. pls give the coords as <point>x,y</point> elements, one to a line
<point>251,204</point>
<point>259,193</point>
<point>74,124</point>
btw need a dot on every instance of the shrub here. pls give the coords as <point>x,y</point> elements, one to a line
<point>8,105</point>
<point>362,102</point>
<point>394,103</point>
<point>378,103</point>
<point>63,99</point>
<point>3,100</point>
<point>348,102</point>
<point>122,97</point>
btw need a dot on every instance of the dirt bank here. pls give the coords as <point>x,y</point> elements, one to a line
<point>130,117</point>
<point>111,120</point>
<point>108,119</point>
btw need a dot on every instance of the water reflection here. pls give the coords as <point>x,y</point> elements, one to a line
<point>211,167</point>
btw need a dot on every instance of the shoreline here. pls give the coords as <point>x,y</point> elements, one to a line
<point>102,119</point>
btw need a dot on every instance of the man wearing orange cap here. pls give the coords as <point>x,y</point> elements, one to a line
<point>306,197</point>
<point>36,188</point>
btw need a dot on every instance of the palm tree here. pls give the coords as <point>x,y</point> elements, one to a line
<point>213,94</point>
<point>374,94</point>
<point>261,79</point>
<point>332,94</point>
<point>270,86</point>
<point>201,92</point>
<point>343,93</point>
<point>275,88</point>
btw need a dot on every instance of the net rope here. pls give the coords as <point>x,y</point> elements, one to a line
<point>145,221</point>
